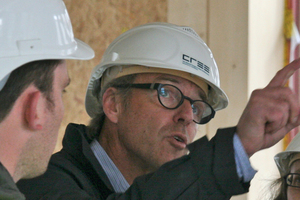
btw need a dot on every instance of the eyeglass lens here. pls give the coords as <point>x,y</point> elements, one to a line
<point>171,97</point>
<point>293,180</point>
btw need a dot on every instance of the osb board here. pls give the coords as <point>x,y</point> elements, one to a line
<point>98,23</point>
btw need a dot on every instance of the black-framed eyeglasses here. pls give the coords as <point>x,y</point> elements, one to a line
<point>171,97</point>
<point>293,180</point>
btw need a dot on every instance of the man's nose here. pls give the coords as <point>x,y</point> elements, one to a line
<point>184,113</point>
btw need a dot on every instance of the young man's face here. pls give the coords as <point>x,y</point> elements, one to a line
<point>151,134</point>
<point>42,144</point>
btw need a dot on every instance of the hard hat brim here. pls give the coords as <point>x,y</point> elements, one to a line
<point>83,52</point>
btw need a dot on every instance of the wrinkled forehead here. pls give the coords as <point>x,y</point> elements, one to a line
<point>182,83</point>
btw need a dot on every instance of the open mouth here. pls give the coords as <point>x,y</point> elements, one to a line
<point>178,139</point>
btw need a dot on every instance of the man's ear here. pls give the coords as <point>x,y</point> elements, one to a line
<point>110,105</point>
<point>35,110</point>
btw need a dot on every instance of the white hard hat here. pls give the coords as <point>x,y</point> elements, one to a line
<point>283,159</point>
<point>165,46</point>
<point>36,30</point>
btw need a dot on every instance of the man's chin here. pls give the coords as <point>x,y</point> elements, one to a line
<point>34,173</point>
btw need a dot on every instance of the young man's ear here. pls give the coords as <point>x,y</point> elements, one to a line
<point>110,104</point>
<point>35,110</point>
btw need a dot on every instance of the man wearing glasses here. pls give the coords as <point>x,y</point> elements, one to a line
<point>288,164</point>
<point>154,85</point>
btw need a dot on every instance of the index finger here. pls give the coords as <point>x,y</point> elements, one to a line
<point>283,75</point>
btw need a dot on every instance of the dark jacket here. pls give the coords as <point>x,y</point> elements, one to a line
<point>208,172</point>
<point>8,188</point>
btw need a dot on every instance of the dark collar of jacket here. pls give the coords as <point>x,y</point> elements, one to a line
<point>8,188</point>
<point>77,145</point>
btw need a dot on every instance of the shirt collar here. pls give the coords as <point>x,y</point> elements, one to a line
<point>114,175</point>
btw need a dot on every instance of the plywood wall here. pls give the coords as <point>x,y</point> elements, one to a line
<point>98,23</point>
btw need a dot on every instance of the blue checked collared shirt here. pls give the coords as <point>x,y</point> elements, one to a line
<point>114,175</point>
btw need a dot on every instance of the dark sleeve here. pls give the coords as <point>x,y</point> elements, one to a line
<point>64,180</point>
<point>52,186</point>
<point>224,167</point>
<point>208,172</point>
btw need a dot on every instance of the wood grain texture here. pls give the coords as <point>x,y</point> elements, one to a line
<point>98,23</point>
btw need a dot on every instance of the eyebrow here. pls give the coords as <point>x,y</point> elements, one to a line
<point>163,78</point>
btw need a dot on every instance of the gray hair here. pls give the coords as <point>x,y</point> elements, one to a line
<point>95,125</point>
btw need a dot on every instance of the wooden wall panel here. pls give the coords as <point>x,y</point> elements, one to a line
<point>98,23</point>
<point>228,40</point>
<point>191,13</point>
<point>266,57</point>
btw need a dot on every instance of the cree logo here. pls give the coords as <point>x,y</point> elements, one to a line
<point>194,63</point>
